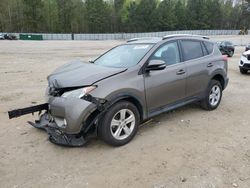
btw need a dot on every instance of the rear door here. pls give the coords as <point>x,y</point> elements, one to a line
<point>198,62</point>
<point>166,86</point>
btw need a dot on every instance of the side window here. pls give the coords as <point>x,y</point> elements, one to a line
<point>191,49</point>
<point>169,53</point>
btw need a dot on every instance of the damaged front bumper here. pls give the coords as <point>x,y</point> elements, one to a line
<point>57,135</point>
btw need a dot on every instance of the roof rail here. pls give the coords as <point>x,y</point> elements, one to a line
<point>143,38</point>
<point>184,35</point>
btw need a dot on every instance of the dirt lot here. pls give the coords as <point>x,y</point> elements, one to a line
<point>186,148</point>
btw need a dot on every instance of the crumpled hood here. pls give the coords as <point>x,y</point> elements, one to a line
<point>78,73</point>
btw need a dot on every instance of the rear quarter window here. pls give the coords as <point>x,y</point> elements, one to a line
<point>209,46</point>
<point>217,51</point>
<point>204,49</point>
<point>191,49</point>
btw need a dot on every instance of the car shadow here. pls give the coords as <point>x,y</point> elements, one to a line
<point>162,119</point>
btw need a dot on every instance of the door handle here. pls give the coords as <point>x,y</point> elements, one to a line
<point>210,65</point>
<point>180,72</point>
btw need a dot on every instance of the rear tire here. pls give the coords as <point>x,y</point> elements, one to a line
<point>120,124</point>
<point>213,96</point>
<point>243,71</point>
<point>230,53</point>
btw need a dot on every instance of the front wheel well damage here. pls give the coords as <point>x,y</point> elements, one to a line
<point>96,112</point>
<point>89,120</point>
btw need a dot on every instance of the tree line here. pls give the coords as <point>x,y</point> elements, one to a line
<point>102,16</point>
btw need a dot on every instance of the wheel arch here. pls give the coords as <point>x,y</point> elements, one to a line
<point>219,78</point>
<point>122,97</point>
<point>134,100</point>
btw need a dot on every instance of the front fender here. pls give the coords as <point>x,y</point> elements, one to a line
<point>132,97</point>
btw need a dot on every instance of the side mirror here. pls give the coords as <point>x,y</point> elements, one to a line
<point>155,65</point>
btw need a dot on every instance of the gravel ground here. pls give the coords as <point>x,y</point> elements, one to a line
<point>185,148</point>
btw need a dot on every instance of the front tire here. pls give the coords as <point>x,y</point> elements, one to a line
<point>120,124</point>
<point>213,96</point>
<point>230,53</point>
<point>243,71</point>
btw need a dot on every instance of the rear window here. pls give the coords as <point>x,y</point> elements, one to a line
<point>191,49</point>
<point>229,43</point>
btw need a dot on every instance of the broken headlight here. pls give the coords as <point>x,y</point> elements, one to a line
<point>78,93</point>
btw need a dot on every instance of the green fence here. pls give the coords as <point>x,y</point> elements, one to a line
<point>30,37</point>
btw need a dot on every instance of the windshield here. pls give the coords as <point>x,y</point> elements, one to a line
<point>124,56</point>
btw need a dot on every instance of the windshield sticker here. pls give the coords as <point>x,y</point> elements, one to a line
<point>141,47</point>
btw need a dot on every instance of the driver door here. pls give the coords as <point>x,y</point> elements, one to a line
<point>165,87</point>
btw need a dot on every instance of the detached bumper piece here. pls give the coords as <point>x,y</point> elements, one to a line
<point>29,110</point>
<point>56,136</point>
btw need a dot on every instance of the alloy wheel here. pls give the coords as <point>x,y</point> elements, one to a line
<point>122,124</point>
<point>214,96</point>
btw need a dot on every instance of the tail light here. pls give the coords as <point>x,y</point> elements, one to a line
<point>225,59</point>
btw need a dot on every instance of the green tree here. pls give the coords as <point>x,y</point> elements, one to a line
<point>65,13</point>
<point>198,15</point>
<point>181,15</point>
<point>132,18</point>
<point>145,14</point>
<point>214,13</point>
<point>11,15</point>
<point>245,16</point>
<point>33,15</point>
<point>165,14</point>
<point>97,16</point>
<point>51,18</point>
<point>227,10</point>
<point>78,20</point>
<point>117,14</point>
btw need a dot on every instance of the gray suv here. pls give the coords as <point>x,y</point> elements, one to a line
<point>129,84</point>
